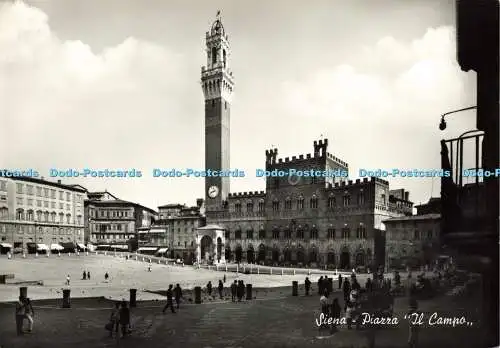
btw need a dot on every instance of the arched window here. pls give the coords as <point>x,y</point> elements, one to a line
<point>224,57</point>
<point>288,233</point>
<point>237,207</point>
<point>361,232</point>
<point>250,234</point>
<point>314,233</point>
<point>331,233</point>
<point>314,202</point>
<point>214,55</point>
<point>250,206</point>
<point>262,233</point>
<point>237,234</point>
<point>276,205</point>
<point>288,204</point>
<point>346,232</point>
<point>262,205</point>
<point>300,203</point>
<point>300,233</point>
<point>331,201</point>
<point>276,233</point>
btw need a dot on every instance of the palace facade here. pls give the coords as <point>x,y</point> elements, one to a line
<point>297,220</point>
<point>36,214</point>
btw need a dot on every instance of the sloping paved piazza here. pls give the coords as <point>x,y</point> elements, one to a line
<point>286,322</point>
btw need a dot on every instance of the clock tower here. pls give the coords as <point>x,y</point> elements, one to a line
<point>217,84</point>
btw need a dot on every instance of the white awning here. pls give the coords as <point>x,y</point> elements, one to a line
<point>147,249</point>
<point>162,250</point>
<point>80,245</point>
<point>102,246</point>
<point>56,247</point>
<point>41,247</point>
<point>120,247</point>
<point>6,245</point>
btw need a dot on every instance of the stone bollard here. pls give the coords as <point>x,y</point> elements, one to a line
<point>249,291</point>
<point>87,253</point>
<point>258,270</point>
<point>36,254</point>
<point>59,254</point>
<point>197,294</point>
<point>282,271</point>
<point>295,288</point>
<point>294,271</point>
<point>9,256</point>
<point>143,259</point>
<point>159,261</point>
<point>24,256</point>
<point>136,258</point>
<point>133,298</point>
<point>23,291</point>
<point>271,271</point>
<point>66,298</point>
<point>48,254</point>
<point>226,268</point>
<point>105,253</point>
<point>69,254</point>
<point>77,253</point>
<point>237,268</point>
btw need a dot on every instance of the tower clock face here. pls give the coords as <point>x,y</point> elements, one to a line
<point>293,179</point>
<point>213,191</point>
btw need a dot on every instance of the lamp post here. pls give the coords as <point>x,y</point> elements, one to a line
<point>442,124</point>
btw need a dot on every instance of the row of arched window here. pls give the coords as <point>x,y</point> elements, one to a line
<point>300,233</point>
<point>299,203</point>
<point>45,216</point>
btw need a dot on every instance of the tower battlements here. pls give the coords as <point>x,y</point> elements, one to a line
<point>250,194</point>
<point>358,183</point>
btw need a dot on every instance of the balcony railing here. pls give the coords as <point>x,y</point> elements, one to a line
<point>462,193</point>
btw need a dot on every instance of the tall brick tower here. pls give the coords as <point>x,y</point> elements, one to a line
<point>217,83</point>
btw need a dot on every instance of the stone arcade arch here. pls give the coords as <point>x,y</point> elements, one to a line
<point>250,254</point>
<point>360,258</point>
<point>238,254</point>
<point>300,255</point>
<point>287,255</point>
<point>345,259</point>
<point>276,254</point>
<point>330,257</point>
<point>228,253</point>
<point>210,242</point>
<point>261,257</point>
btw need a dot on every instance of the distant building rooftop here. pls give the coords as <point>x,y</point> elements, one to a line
<point>414,218</point>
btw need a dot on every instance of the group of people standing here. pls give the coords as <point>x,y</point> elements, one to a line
<point>24,311</point>
<point>120,318</point>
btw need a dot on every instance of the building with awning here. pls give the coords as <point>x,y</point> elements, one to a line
<point>162,251</point>
<point>41,248</point>
<point>68,246</point>
<point>147,250</point>
<point>119,247</point>
<point>56,247</point>
<point>5,248</point>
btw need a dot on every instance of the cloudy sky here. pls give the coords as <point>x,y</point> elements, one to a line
<point>116,84</point>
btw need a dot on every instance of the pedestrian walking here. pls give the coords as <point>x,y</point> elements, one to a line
<point>209,288</point>
<point>170,302</point>
<point>68,279</point>
<point>325,308</point>
<point>20,314</point>
<point>29,313</point>
<point>307,284</point>
<point>106,276</point>
<point>335,312</point>
<point>346,287</point>
<point>320,286</point>
<point>224,280</point>
<point>88,275</point>
<point>84,276</point>
<point>177,295</point>
<point>240,291</point>
<point>340,281</point>
<point>413,329</point>
<point>125,319</point>
<point>234,287</point>
<point>221,288</point>
<point>114,320</point>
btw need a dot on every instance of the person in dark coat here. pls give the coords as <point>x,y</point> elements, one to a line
<point>340,281</point>
<point>234,287</point>
<point>84,276</point>
<point>347,290</point>
<point>20,314</point>
<point>170,302</point>
<point>307,285</point>
<point>209,288</point>
<point>369,285</point>
<point>320,286</point>
<point>221,288</point>
<point>240,290</point>
<point>88,275</point>
<point>177,295</point>
<point>335,313</point>
<point>125,319</point>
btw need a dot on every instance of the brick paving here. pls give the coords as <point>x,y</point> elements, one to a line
<point>285,322</point>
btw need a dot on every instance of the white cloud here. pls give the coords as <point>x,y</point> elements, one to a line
<point>137,104</point>
<point>383,110</point>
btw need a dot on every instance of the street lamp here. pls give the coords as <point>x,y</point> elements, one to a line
<point>442,124</point>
